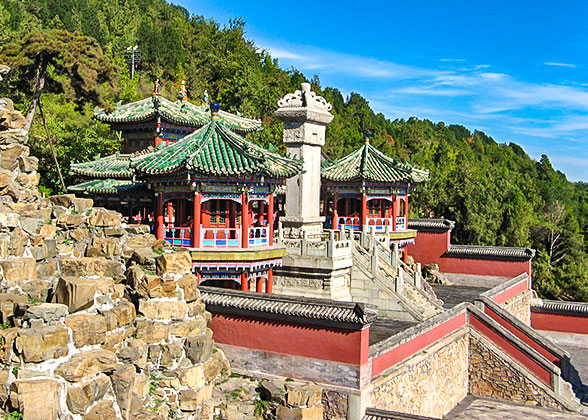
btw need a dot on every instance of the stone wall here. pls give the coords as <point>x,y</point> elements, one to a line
<point>99,319</point>
<point>430,383</point>
<point>493,375</point>
<point>520,306</point>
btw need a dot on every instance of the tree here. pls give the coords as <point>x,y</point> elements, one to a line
<point>58,61</point>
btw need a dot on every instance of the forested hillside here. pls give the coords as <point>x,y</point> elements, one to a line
<point>495,192</point>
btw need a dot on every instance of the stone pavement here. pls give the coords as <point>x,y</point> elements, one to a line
<point>473,408</point>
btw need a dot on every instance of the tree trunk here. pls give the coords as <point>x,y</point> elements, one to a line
<point>39,85</point>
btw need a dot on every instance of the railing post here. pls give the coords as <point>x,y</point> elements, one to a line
<point>417,277</point>
<point>395,255</point>
<point>331,244</point>
<point>280,233</point>
<point>304,244</point>
<point>399,285</point>
<point>374,260</point>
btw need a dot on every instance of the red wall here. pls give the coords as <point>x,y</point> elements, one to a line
<point>521,335</point>
<point>509,348</point>
<point>559,322</point>
<point>336,345</point>
<point>511,292</point>
<point>429,247</point>
<point>397,354</point>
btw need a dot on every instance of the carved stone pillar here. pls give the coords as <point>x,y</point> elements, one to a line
<point>305,116</point>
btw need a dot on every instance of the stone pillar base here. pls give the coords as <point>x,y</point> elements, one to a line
<point>294,227</point>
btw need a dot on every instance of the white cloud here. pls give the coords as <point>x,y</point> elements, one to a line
<point>552,63</point>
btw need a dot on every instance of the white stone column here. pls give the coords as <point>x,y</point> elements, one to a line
<point>305,116</point>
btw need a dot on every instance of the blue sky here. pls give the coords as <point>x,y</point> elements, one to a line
<point>517,70</point>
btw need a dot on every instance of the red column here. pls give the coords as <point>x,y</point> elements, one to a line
<point>198,278</point>
<point>196,221</point>
<point>406,211</point>
<point>335,213</point>
<point>170,213</point>
<point>364,210</point>
<point>157,141</point>
<point>261,210</point>
<point>259,284</point>
<point>244,221</point>
<point>244,281</point>
<point>394,211</point>
<point>159,222</point>
<point>270,219</point>
<point>270,281</point>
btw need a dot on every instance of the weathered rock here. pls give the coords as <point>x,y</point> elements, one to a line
<point>431,273</point>
<point>128,385</point>
<point>303,395</point>
<point>114,340</point>
<point>199,348</point>
<point>69,220</point>
<point>87,363</point>
<point>140,241</point>
<point>63,200</point>
<point>9,220</point>
<point>28,163</point>
<point>215,366</point>
<point>135,352</point>
<point>137,229</point>
<point>75,292</point>
<point>122,314</point>
<point>101,411</point>
<point>10,154</point>
<point>87,329</point>
<point>152,331</point>
<point>80,205</point>
<point>46,269</point>
<point>148,285</point>
<point>104,218</point>
<point>104,247</point>
<point>40,344</point>
<point>84,267</point>
<point>311,413</point>
<point>191,399</point>
<point>163,310</point>
<point>79,398</point>
<point>80,234</point>
<point>18,242</point>
<point>176,263</point>
<point>48,312</point>
<point>189,285</point>
<point>36,399</point>
<point>196,308</point>
<point>189,327</point>
<point>7,338</point>
<point>29,224</point>
<point>37,289</point>
<point>17,270</point>
<point>165,355</point>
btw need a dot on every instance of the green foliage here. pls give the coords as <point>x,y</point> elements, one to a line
<point>495,192</point>
<point>13,415</point>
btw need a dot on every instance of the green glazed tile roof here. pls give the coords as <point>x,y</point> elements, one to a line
<point>113,166</point>
<point>369,164</point>
<point>105,186</point>
<point>215,150</point>
<point>180,112</point>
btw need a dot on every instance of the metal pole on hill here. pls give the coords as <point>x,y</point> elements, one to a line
<point>133,58</point>
<point>51,146</point>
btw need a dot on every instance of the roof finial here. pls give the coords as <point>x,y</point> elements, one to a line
<point>214,109</point>
<point>205,97</point>
<point>156,88</point>
<point>183,95</point>
<point>367,135</point>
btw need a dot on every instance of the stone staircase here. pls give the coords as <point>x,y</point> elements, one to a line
<point>398,291</point>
